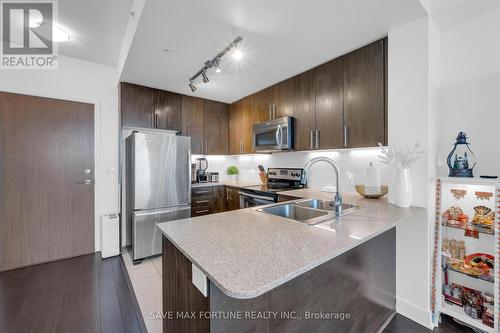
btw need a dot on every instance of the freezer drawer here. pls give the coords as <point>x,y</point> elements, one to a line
<point>146,237</point>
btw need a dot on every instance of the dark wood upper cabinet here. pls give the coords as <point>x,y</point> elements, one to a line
<point>283,99</point>
<point>215,127</point>
<point>249,119</point>
<point>168,110</point>
<point>364,96</point>
<point>137,105</point>
<point>235,128</point>
<point>263,105</point>
<point>329,81</point>
<point>303,110</point>
<point>192,122</point>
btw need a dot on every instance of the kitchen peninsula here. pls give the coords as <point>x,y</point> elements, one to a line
<point>266,273</point>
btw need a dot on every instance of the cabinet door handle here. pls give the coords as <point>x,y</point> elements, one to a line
<point>198,192</point>
<point>271,112</point>
<point>202,211</point>
<point>312,140</point>
<point>346,136</point>
<point>317,138</point>
<point>156,120</point>
<point>206,146</point>
<point>202,201</point>
<point>275,108</point>
<point>152,120</point>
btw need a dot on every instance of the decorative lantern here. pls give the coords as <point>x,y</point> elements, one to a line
<point>461,159</point>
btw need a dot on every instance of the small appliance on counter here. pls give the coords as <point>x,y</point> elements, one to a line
<point>201,174</point>
<point>193,173</point>
<point>278,180</point>
<point>213,177</point>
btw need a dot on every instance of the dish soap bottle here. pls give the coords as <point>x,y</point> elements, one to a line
<point>372,180</point>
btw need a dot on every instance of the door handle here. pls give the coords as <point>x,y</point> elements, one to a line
<point>275,108</point>
<point>278,135</point>
<point>87,171</point>
<point>86,182</point>
<point>346,136</point>
<point>281,136</point>
<point>312,139</point>
<point>317,138</point>
<point>151,120</point>
<point>156,120</point>
<point>271,112</point>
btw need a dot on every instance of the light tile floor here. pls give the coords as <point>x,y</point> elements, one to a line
<point>146,280</point>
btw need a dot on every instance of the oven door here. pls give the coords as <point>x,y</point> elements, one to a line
<point>274,135</point>
<point>253,200</point>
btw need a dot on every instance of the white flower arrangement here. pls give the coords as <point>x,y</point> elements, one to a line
<point>400,157</point>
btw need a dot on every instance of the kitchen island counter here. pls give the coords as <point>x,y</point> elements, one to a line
<point>246,253</point>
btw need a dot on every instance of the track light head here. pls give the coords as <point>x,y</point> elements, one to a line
<point>205,77</point>
<point>192,86</point>
<point>217,67</point>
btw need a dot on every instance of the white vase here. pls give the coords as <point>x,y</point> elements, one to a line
<point>232,178</point>
<point>402,188</point>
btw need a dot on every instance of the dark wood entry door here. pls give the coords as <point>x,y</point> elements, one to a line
<point>46,180</point>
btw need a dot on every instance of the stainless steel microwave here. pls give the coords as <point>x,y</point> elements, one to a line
<point>273,135</point>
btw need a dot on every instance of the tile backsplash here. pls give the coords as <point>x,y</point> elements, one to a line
<point>351,162</point>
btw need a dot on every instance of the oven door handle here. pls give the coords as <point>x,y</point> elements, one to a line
<point>257,196</point>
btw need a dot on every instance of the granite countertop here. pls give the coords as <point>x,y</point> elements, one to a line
<point>246,253</point>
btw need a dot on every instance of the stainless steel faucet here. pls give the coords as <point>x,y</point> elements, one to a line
<point>337,203</point>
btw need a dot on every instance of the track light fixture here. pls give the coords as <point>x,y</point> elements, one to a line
<point>205,77</point>
<point>192,86</point>
<point>215,62</point>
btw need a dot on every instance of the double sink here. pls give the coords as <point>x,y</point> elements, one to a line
<point>309,211</point>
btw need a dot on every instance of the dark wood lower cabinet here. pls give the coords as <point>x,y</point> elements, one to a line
<point>232,198</point>
<point>354,286</point>
<point>214,199</point>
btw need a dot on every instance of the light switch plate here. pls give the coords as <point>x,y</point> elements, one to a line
<point>199,280</point>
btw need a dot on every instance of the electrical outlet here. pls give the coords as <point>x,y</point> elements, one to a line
<point>349,178</point>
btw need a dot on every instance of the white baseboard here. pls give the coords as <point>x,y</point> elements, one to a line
<point>415,313</point>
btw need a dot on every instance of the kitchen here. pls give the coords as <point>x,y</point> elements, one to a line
<point>230,165</point>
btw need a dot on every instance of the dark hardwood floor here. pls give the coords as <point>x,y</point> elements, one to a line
<point>81,294</point>
<point>401,324</point>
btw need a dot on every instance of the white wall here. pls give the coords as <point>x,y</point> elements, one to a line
<point>409,122</point>
<point>469,90</point>
<point>351,162</point>
<point>82,81</point>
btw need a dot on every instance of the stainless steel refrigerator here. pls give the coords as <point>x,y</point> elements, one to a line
<point>159,186</point>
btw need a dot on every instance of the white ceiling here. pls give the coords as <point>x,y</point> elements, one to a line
<point>97,28</point>
<point>281,38</point>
